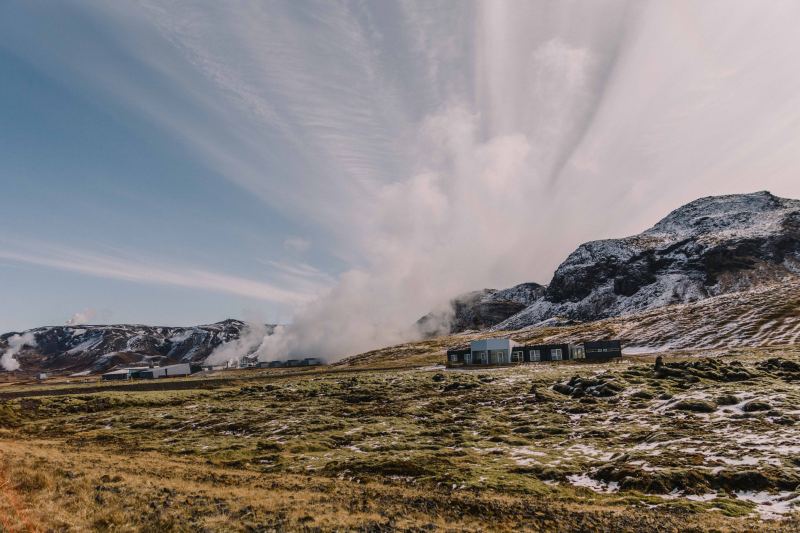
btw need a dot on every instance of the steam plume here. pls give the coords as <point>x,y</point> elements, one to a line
<point>15,343</point>
<point>81,317</point>
<point>250,339</point>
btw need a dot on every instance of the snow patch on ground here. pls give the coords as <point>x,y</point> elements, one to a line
<point>583,480</point>
<point>639,350</point>
<point>771,505</point>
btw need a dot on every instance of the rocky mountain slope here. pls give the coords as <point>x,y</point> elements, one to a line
<point>97,348</point>
<point>768,315</point>
<point>712,246</point>
<point>709,247</point>
<point>480,309</point>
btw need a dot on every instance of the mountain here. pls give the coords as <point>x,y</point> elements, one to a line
<point>712,246</point>
<point>97,348</point>
<point>480,309</point>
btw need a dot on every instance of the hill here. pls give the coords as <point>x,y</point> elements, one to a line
<point>99,347</point>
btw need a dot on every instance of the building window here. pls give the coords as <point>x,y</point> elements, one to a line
<point>536,355</point>
<point>516,357</point>
<point>453,357</point>
<point>555,354</point>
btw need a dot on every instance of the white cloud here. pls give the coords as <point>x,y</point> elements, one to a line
<point>137,269</point>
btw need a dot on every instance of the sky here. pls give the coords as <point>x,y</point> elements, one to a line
<point>344,167</point>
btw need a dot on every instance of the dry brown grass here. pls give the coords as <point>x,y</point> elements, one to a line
<point>49,487</point>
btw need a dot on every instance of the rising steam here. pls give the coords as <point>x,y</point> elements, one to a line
<point>250,339</point>
<point>81,317</point>
<point>16,342</point>
<point>474,212</point>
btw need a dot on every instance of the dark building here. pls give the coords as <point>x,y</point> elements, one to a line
<point>602,350</point>
<point>311,361</point>
<point>148,373</point>
<point>542,352</point>
<point>592,351</point>
<point>122,374</point>
<point>457,356</point>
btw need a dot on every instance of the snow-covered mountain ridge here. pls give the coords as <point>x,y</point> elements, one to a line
<point>99,347</point>
<point>709,247</point>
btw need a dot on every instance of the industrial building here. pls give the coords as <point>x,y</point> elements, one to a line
<point>143,372</point>
<point>504,351</point>
<point>123,374</point>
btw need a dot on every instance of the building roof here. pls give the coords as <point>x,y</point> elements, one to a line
<point>501,343</point>
<point>120,371</point>
<point>178,366</point>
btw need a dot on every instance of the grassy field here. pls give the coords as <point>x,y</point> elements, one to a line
<point>708,443</point>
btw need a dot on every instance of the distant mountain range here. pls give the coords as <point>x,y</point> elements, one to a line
<point>710,247</point>
<point>97,348</point>
<point>719,271</point>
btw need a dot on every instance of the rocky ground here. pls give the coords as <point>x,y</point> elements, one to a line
<point>703,443</point>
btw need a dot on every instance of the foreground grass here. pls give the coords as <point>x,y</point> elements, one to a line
<point>616,447</point>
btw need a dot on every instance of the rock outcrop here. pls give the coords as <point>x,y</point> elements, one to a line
<point>480,309</point>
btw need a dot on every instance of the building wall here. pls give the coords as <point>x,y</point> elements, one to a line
<point>115,377</point>
<point>599,350</point>
<point>152,373</point>
<point>457,356</point>
<point>545,351</point>
<point>484,345</point>
<point>182,369</point>
<point>492,351</point>
<point>506,351</point>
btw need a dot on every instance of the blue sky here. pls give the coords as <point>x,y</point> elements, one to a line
<point>347,166</point>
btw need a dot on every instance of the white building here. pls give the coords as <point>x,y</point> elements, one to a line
<point>172,371</point>
<point>490,352</point>
<point>156,372</point>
